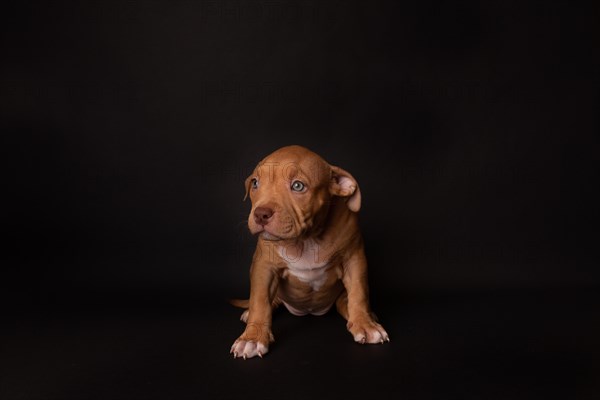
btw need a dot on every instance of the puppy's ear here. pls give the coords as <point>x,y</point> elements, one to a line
<point>344,185</point>
<point>247,185</point>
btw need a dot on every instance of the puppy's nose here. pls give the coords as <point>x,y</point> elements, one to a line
<point>262,215</point>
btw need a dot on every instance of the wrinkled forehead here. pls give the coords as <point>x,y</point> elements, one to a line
<point>310,169</point>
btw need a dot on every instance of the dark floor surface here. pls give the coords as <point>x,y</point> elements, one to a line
<point>518,344</point>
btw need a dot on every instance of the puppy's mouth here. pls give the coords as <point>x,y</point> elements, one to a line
<point>269,236</point>
<point>281,228</point>
<point>266,233</point>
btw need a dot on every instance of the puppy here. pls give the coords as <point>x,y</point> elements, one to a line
<point>310,252</point>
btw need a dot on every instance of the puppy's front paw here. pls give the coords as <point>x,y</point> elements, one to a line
<point>248,349</point>
<point>253,342</point>
<point>367,331</point>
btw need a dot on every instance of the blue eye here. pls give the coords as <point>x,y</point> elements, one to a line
<point>254,183</point>
<point>298,186</point>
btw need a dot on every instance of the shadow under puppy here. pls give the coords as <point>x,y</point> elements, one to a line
<point>310,252</point>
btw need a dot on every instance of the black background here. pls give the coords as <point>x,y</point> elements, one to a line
<point>129,127</point>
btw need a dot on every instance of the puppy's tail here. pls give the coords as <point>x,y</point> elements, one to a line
<point>239,303</point>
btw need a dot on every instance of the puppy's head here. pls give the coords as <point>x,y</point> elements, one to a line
<point>291,190</point>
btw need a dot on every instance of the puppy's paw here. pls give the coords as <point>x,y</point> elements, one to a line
<point>367,331</point>
<point>248,349</point>
<point>253,342</point>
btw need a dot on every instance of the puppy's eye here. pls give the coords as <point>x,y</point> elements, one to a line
<point>254,183</point>
<point>298,186</point>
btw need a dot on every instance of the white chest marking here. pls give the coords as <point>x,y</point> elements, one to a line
<point>304,263</point>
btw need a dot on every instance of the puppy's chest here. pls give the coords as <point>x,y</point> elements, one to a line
<point>309,263</point>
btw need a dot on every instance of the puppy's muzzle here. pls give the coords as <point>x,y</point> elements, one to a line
<point>263,215</point>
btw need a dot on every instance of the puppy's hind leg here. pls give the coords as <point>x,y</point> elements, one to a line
<point>244,316</point>
<point>241,304</point>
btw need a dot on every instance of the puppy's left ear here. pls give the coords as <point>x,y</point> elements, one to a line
<point>344,185</point>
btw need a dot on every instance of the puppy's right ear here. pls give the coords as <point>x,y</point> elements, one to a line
<point>247,183</point>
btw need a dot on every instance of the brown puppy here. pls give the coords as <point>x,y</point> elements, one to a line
<point>310,252</point>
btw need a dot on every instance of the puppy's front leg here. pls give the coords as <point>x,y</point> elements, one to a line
<point>257,336</point>
<point>357,311</point>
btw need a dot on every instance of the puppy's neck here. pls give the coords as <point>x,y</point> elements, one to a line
<point>335,225</point>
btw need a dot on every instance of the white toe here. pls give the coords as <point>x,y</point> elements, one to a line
<point>244,316</point>
<point>360,338</point>
<point>248,349</point>
<point>375,337</point>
